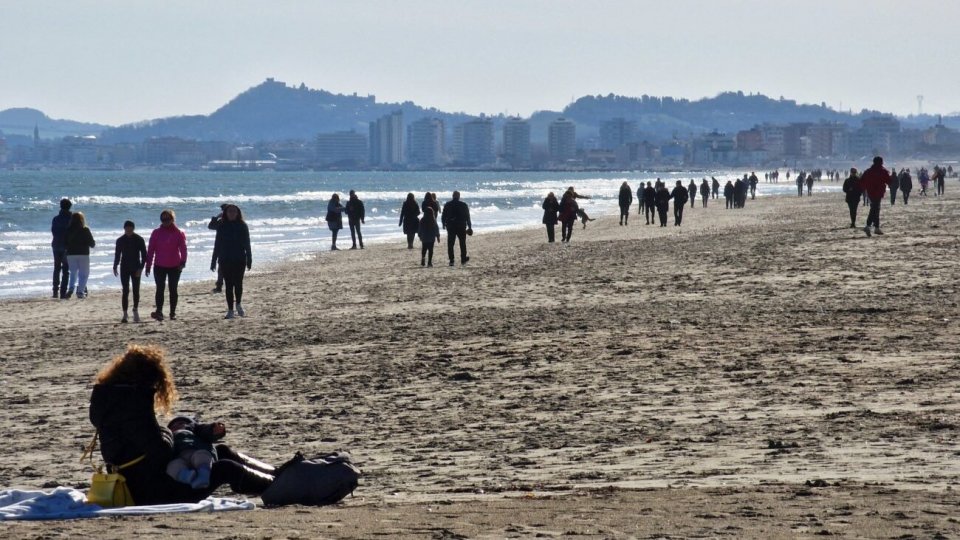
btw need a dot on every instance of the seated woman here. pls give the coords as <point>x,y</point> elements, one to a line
<point>129,392</point>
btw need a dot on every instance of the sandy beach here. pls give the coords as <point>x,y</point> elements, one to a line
<point>765,372</point>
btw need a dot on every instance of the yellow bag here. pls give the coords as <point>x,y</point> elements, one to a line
<point>108,489</point>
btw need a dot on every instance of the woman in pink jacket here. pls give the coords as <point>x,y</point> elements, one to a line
<point>167,254</point>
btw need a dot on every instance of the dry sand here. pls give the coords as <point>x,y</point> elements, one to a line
<point>640,382</point>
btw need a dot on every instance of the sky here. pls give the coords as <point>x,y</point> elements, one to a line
<point>121,61</point>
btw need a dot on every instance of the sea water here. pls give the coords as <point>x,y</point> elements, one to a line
<point>285,211</point>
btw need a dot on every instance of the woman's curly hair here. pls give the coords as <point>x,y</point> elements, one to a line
<point>143,365</point>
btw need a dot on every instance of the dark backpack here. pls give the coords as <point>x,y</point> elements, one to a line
<point>318,481</point>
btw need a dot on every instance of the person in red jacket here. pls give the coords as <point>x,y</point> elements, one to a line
<point>873,183</point>
<point>167,255</point>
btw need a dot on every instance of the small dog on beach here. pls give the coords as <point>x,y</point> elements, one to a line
<point>584,218</point>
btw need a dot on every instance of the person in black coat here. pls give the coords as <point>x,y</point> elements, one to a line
<point>334,219</point>
<point>456,220</point>
<point>232,251</point>
<point>355,216</point>
<point>429,234</point>
<point>58,228</point>
<point>851,187</point>
<point>704,192</point>
<point>127,395</point>
<point>215,222</point>
<point>906,185</point>
<point>692,192</point>
<point>568,215</point>
<point>663,203</point>
<point>716,187</point>
<point>649,203</point>
<point>728,192</point>
<point>130,255</point>
<point>739,193</point>
<point>408,218</point>
<point>550,209</point>
<point>625,200</point>
<point>680,195</point>
<point>894,186</point>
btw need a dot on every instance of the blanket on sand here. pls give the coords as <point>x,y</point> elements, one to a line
<point>69,503</point>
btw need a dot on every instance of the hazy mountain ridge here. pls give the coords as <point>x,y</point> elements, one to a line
<point>22,120</point>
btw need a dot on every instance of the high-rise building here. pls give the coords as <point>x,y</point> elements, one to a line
<point>617,132</point>
<point>425,142</point>
<point>386,140</point>
<point>516,142</point>
<point>474,142</point>
<point>346,147</point>
<point>562,139</point>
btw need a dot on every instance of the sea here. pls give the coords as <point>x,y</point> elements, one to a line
<point>284,210</point>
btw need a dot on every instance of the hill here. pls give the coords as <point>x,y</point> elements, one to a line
<point>21,121</point>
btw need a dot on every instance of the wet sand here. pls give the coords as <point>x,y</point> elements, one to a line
<point>754,373</point>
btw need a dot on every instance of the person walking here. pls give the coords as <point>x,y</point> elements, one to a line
<point>649,203</point>
<point>429,233</point>
<point>716,187</point>
<point>625,200</point>
<point>809,185</point>
<point>679,195</point>
<point>906,185</point>
<point>232,252</point>
<point>874,183</point>
<point>129,256</point>
<point>214,223</point>
<point>167,257</point>
<point>334,219</point>
<point>408,218</point>
<point>550,209</point>
<point>753,185</point>
<point>355,216</point>
<point>801,178</point>
<point>568,215</point>
<point>61,268</point>
<point>79,240</point>
<point>663,203</point>
<point>456,220</point>
<point>728,192</point>
<point>851,187</point>
<point>939,179</point>
<point>704,192</point>
<point>894,186</point>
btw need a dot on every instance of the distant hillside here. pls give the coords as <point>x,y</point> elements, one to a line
<point>274,111</point>
<point>22,121</point>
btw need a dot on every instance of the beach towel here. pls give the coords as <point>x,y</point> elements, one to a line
<point>69,503</point>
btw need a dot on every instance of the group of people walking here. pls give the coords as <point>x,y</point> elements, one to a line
<point>165,255</point>
<point>871,188</point>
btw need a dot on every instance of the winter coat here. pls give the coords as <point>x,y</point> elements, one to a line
<point>125,419</point>
<point>334,215</point>
<point>906,183</point>
<point>167,248</point>
<point>680,195</point>
<point>79,241</point>
<point>456,215</point>
<point>195,436</point>
<point>851,186</point>
<point>428,231</point>
<point>728,190</point>
<point>58,227</point>
<point>650,196</point>
<point>704,189</point>
<point>874,181</point>
<point>355,211</point>
<point>626,196</point>
<point>568,210</point>
<point>550,209</point>
<point>663,199</point>
<point>232,244</point>
<point>408,217</point>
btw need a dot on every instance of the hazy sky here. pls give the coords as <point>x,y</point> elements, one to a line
<point>117,61</point>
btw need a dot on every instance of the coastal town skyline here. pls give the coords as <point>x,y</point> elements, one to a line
<point>116,63</point>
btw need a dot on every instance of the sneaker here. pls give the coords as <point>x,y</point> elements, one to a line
<point>240,311</point>
<point>867,231</point>
<point>451,263</point>
<point>156,315</point>
<point>229,314</point>
<point>464,261</point>
<point>173,316</point>
<point>877,231</point>
<point>136,316</point>
<point>56,294</point>
<point>203,478</point>
<point>429,265</point>
<point>423,262</point>
<point>353,247</point>
<point>217,290</point>
<point>124,318</point>
<point>334,248</point>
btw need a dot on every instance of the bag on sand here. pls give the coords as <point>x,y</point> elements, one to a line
<point>319,481</point>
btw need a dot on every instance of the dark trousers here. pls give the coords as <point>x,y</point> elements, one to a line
<point>753,193</point>
<point>800,190</point>
<point>454,234</point>
<point>716,192</point>
<point>355,233</point>
<point>853,205</point>
<point>705,197</point>
<point>219,278</point>
<point>906,195</point>
<point>693,200</point>
<point>893,196</point>
<point>410,237</point>
<point>662,213</point>
<point>940,184</point>
<point>233,279</point>
<point>61,272</point>
<point>678,214</point>
<point>551,235</point>
<point>426,252</point>
<point>128,276</point>
<point>566,229</point>
<point>873,218</point>
<point>729,202</point>
<point>161,277</point>
<point>624,213</point>
<point>648,212</point>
